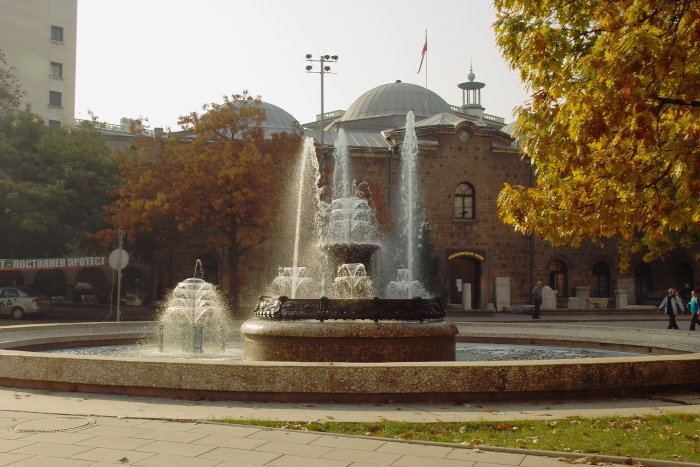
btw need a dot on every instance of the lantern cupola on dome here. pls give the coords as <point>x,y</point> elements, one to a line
<point>471,95</point>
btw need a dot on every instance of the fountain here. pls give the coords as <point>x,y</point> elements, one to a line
<point>352,282</point>
<point>404,286</point>
<point>350,232</point>
<point>294,281</point>
<point>195,317</point>
<point>352,324</point>
<point>322,334</point>
<point>407,284</point>
<point>301,281</point>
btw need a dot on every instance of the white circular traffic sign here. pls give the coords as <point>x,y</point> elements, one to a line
<point>118,259</point>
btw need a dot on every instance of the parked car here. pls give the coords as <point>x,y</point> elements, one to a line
<point>19,302</point>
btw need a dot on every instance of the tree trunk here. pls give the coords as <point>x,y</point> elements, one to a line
<point>233,254</point>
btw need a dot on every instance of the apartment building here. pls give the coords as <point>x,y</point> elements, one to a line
<point>38,38</point>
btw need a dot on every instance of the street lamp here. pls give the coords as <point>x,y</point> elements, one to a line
<point>324,68</point>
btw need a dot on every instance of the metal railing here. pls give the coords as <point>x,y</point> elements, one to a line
<point>109,127</point>
<point>331,114</point>
<point>495,119</point>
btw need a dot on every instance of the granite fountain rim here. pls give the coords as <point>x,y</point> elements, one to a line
<point>354,382</point>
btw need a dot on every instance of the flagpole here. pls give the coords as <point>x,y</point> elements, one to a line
<point>426,73</point>
<point>424,58</point>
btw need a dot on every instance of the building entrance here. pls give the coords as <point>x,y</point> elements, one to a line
<point>464,270</point>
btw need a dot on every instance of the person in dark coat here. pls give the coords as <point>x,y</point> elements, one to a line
<point>537,300</point>
<point>672,305</point>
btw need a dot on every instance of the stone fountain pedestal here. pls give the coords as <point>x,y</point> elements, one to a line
<point>348,341</point>
<point>332,330</point>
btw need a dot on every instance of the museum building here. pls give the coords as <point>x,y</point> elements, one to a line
<point>465,157</point>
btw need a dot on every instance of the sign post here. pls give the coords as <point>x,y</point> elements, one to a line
<point>118,259</point>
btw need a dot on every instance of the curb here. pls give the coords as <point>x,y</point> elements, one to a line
<point>578,455</point>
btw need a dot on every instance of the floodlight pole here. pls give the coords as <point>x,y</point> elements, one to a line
<point>323,70</point>
<point>119,275</point>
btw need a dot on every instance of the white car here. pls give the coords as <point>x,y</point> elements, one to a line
<point>19,302</point>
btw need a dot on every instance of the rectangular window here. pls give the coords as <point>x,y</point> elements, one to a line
<point>55,124</point>
<point>56,70</point>
<point>56,33</point>
<point>55,98</point>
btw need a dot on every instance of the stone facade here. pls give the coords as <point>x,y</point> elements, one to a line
<point>482,248</point>
<point>462,146</point>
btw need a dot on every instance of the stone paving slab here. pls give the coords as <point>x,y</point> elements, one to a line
<point>358,455</point>
<point>148,441</point>
<point>25,403</point>
<point>211,446</point>
<point>242,455</point>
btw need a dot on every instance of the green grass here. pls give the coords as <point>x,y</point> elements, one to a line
<point>668,437</point>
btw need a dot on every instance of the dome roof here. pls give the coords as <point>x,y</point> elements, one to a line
<point>396,99</point>
<point>277,120</point>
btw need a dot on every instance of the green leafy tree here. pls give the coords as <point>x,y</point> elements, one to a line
<point>612,125</point>
<point>215,184</point>
<point>53,184</point>
<point>10,91</point>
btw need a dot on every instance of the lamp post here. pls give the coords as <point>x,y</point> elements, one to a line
<point>324,68</point>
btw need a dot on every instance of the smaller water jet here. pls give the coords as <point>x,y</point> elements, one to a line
<point>351,221</point>
<point>404,287</point>
<point>352,282</point>
<point>294,282</point>
<point>195,318</point>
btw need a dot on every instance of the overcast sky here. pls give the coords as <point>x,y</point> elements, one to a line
<point>160,59</point>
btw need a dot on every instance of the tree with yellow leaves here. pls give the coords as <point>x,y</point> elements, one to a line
<point>215,184</point>
<point>612,125</point>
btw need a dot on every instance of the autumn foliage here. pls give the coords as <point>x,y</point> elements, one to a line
<point>612,125</point>
<point>212,185</point>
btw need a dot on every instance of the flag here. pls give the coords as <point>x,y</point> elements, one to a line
<point>423,52</point>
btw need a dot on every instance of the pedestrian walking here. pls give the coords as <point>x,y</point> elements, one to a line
<point>537,300</point>
<point>672,305</point>
<point>694,309</point>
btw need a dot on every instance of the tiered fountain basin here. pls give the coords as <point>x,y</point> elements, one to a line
<point>342,330</point>
<point>672,361</point>
<point>341,253</point>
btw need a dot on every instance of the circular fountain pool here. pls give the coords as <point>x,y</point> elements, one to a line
<point>464,351</point>
<point>673,362</point>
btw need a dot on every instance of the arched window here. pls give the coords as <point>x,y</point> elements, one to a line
<point>559,278</point>
<point>601,278</point>
<point>464,201</point>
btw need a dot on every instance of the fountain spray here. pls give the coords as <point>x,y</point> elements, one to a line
<point>409,160</point>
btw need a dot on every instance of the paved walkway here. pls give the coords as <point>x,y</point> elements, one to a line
<point>48,429</point>
<point>39,428</point>
<point>41,440</point>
